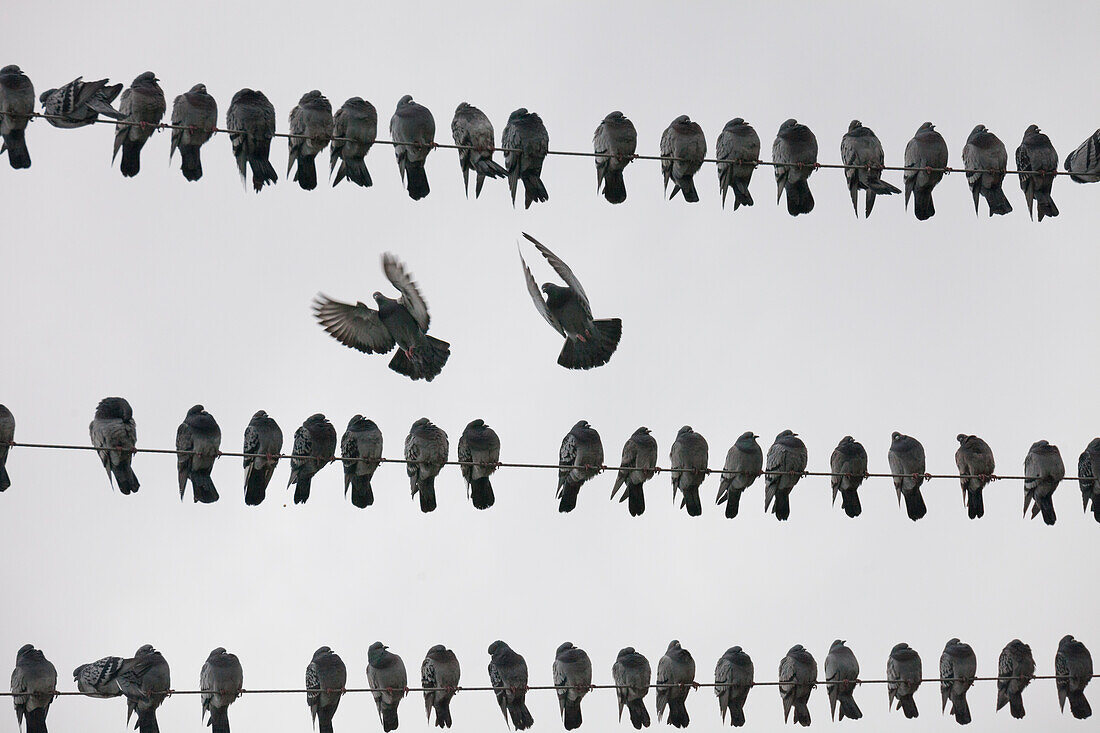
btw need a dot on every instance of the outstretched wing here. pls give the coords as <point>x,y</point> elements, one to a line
<point>410,294</point>
<point>562,269</point>
<point>355,326</point>
<point>536,295</point>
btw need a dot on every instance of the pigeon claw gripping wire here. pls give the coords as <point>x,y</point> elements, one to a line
<point>927,476</point>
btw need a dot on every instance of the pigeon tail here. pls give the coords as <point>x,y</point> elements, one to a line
<point>202,488</point>
<point>692,502</point>
<point>147,722</point>
<point>596,350</point>
<point>487,167</point>
<point>131,158</point>
<point>849,501</point>
<point>614,187</point>
<point>975,504</point>
<point>426,362</point>
<point>639,715</point>
<point>1016,705</point>
<point>324,720</point>
<point>306,175</point>
<point>126,479</point>
<point>848,707</point>
<point>36,721</point>
<point>426,488</point>
<point>534,190</point>
<point>15,142</point>
<point>5,480</point>
<point>880,187</point>
<point>571,714</point>
<point>908,706</point>
<point>1046,204</point>
<point>190,162</point>
<point>1045,504</point>
<point>569,494</point>
<point>960,709</point>
<point>219,720</point>
<point>799,198</point>
<point>1079,705</point>
<point>678,714</point>
<point>481,493</point>
<point>741,195</point>
<point>914,504</point>
<point>301,489</point>
<point>389,718</point>
<point>737,716</point>
<point>263,173</point>
<point>782,506</point>
<point>255,487</point>
<point>686,185</point>
<point>355,170</point>
<point>362,496</point>
<point>443,713</point>
<point>733,502</point>
<point>635,499</point>
<point>997,201</point>
<point>922,204</point>
<point>521,716</point>
<point>416,179</point>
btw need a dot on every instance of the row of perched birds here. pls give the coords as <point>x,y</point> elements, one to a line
<point>144,680</point>
<point>581,457</point>
<point>352,130</point>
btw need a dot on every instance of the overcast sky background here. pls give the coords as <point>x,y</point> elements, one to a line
<point>171,293</point>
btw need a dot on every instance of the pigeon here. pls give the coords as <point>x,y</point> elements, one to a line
<point>1044,470</point>
<point>860,146</point>
<point>80,103</point>
<point>412,129</point>
<point>1088,469</point>
<point>473,132</point>
<point>440,671</point>
<point>689,451</point>
<point>33,687</point>
<point>638,465</point>
<point>797,677</point>
<point>508,676</point>
<point>615,143</point>
<point>588,343</point>
<point>355,128</point>
<point>984,151</point>
<point>903,675</point>
<point>795,155</point>
<point>312,120</point>
<point>314,448</point>
<point>388,680</point>
<point>974,458</point>
<point>580,458</point>
<point>361,451</point>
<point>573,680</point>
<point>99,678</point>
<point>7,436</point>
<point>525,142</point>
<point>221,681</point>
<point>264,438</point>
<point>675,679</point>
<point>848,464</point>
<point>16,107</point>
<point>1073,665</point>
<point>1037,155</point>
<point>426,450</point>
<point>683,148</point>
<point>1083,163</point>
<point>744,463</point>
<point>733,678</point>
<point>326,680</point>
<point>479,444</point>
<point>787,454</point>
<point>145,681</point>
<point>1015,669</point>
<point>841,679</point>
<point>196,111</point>
<point>198,441</point>
<point>144,106</point>
<point>738,150</point>
<point>958,667</point>
<point>403,321</point>
<point>927,151</point>
<point>114,435</point>
<point>907,463</point>
<point>251,121</point>
<point>631,673</point>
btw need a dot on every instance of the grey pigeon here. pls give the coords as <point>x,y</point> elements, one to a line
<point>589,343</point>
<point>675,679</point>
<point>1037,155</point>
<point>16,106</point>
<point>361,451</point>
<point>196,111</point>
<point>314,448</point>
<point>387,678</point>
<point>579,458</point>
<point>797,677</point>
<point>525,142</point>
<point>738,149</point>
<point>1044,470</point>
<point>925,153</point>
<point>683,147</point>
<point>690,452</point>
<point>1088,470</point>
<point>199,441</point>
<point>1083,163</point>
<point>312,119</point>
<point>907,463</point>
<point>1073,665</point>
<point>787,455</point>
<point>508,676</point>
<point>440,671</point>
<point>221,681</point>
<point>145,680</point>
<point>795,155</point>
<point>80,103</point>
<point>355,128</point>
<point>426,449</point>
<point>984,151</point>
<point>99,678</point>
<point>861,147</point>
<point>144,106</point>
<point>1015,669</point>
<point>480,445</point>
<point>264,437</point>
<point>412,129</point>
<point>637,466</point>
<point>903,675</point>
<point>326,680</point>
<point>974,458</point>
<point>114,435</point>
<point>573,679</point>
<point>251,121</point>
<point>7,435</point>
<point>848,464</point>
<point>958,667</point>
<point>631,673</point>
<point>473,131</point>
<point>403,322</point>
<point>744,464</point>
<point>33,686</point>
<point>615,143</point>
<point>733,678</point>
<point>841,679</point>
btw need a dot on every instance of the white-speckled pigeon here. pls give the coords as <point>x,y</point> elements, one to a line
<point>1088,471</point>
<point>958,667</point>
<point>314,448</point>
<point>733,678</point>
<point>472,129</point>
<point>7,435</point>
<point>114,434</point>
<point>80,103</point>
<point>412,128</point>
<point>638,464</point>
<point>146,682</point>
<point>631,673</point>
<point>797,677</point>
<point>251,119</point>
<point>481,445</point>
<point>675,679</point>
<point>683,147</point>
<point>1073,665</point>
<point>33,687</point>
<point>361,451</point>
<point>795,155</point>
<point>984,151</point>
<point>861,147</point>
<point>355,128</point>
<point>144,106</point>
<point>198,112</point>
<point>16,106</point>
<point>264,437</point>
<point>691,452</point>
<point>974,458</point>
<point>387,678</point>
<point>849,459</point>
<point>1083,163</point>
<point>526,134</point>
<point>788,455</point>
<point>1037,155</point>
<point>744,464</point>
<point>326,680</point>
<point>99,678</point>
<point>426,450</point>
<point>927,151</point>
<point>508,676</point>
<point>312,119</point>
<point>580,458</point>
<point>221,681</point>
<point>573,679</point>
<point>1044,470</point>
<point>906,458</point>
<point>903,675</point>
<point>738,148</point>
<point>199,440</point>
<point>841,679</point>
<point>440,670</point>
<point>615,143</point>
<point>1015,670</point>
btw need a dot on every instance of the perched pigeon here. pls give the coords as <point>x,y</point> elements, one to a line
<point>675,679</point>
<point>144,106</point>
<point>199,441</point>
<point>312,119</point>
<point>1073,665</point>
<point>1037,154</point>
<point>580,458</point>
<point>387,678</point>
<point>683,148</point>
<point>221,681</point>
<point>440,671</point>
<point>33,686</point>
<point>114,435</point>
<point>689,451</point>
<point>787,454</point>
<point>326,680</point>
<point>264,438</point>
<point>907,463</point>
<point>80,103</point>
<point>797,676</point>
<point>16,106</point>
<point>738,148</point>
<point>588,343</point>
<point>99,678</point>
<point>508,676</point>
<point>403,321</point>
<point>927,151</point>
<point>841,679</point>
<point>615,143</point>
<point>733,678</point>
<point>145,681</point>
<point>795,154</point>
<point>412,129</point>
<point>903,674</point>
<point>479,444</point>
<point>860,146</point>
<point>1044,470</point>
<point>355,128</point>
<point>197,111</point>
<point>848,464</point>
<point>958,667</point>
<point>631,673</point>
<point>474,132</point>
<point>1083,163</point>
<point>974,458</point>
<point>361,451</point>
<point>525,142</point>
<point>251,121</point>
<point>1015,669</point>
<point>573,680</point>
<point>984,151</point>
<point>7,435</point>
<point>1088,470</point>
<point>744,463</point>
<point>314,448</point>
<point>426,450</point>
<point>638,464</point>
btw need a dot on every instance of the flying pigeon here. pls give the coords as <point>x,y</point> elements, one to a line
<point>198,441</point>
<point>683,148</point>
<point>573,679</point>
<point>146,682</point>
<point>689,451</point>
<point>508,676</point>
<point>907,463</point>
<point>33,687</point>
<point>984,151</point>
<point>841,679</point>
<point>251,121</point>
<point>314,448</point>
<point>615,143</point>
<point>197,111</point>
<point>355,128</point>
<point>80,103</point>
<point>797,676</point>
<point>99,678</point>
<point>16,106</point>
<point>903,674</point>
<point>1088,469</point>
<point>958,667</point>
<point>479,444</point>
<point>412,129</point>
<point>795,154</point>
<point>927,151</point>
<point>387,678</point>
<point>361,451</point>
<point>525,142</point>
<point>848,464</point>
<point>426,450</point>
<point>7,435</point>
<point>473,131</point>
<point>1037,155</point>
<point>144,106</point>
<point>744,464</point>
<point>264,438</point>
<point>1044,470</point>
<point>787,454</point>
<point>974,458</point>
<point>580,458</point>
<point>221,681</point>
<point>860,146</point>
<point>733,678</point>
<point>326,680</point>
<point>738,148</point>
<point>638,464</point>
<point>631,673</point>
<point>1073,665</point>
<point>1015,670</point>
<point>114,435</point>
<point>675,679</point>
<point>440,671</point>
<point>311,119</point>
<point>1083,163</point>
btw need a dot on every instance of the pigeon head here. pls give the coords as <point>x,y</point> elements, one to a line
<point>747,437</point>
<point>11,69</point>
<point>145,649</point>
<point>518,114</point>
<point>787,434</point>
<point>734,650</point>
<point>673,645</point>
<point>462,107</point>
<point>684,431</point>
<point>260,415</point>
<point>310,96</point>
<point>896,436</point>
<point>146,77</point>
<point>626,652</point>
<point>846,441</point>
<point>497,646</point>
<point>1032,129</point>
<point>422,423</point>
<point>1094,445</point>
<point>854,125</point>
<point>581,425</point>
<point>901,648</point>
<point>437,649</point>
<point>46,95</point>
<point>952,642</point>
<point>405,101</point>
<point>926,126</point>
<point>615,116</point>
<point>642,431</point>
<point>476,424</point>
<point>962,438</point>
<point>376,653</point>
<point>796,649</point>
<point>566,646</point>
<point>23,650</point>
<point>114,407</point>
<point>735,122</point>
<point>978,130</point>
<point>1040,446</point>
<point>215,654</point>
<point>322,652</point>
<point>196,410</point>
<point>1067,639</point>
<point>788,124</point>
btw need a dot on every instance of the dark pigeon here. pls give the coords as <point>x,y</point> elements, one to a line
<point>16,106</point>
<point>99,678</point>
<point>526,134</point>
<point>744,464</point>
<point>361,451</point>
<point>841,679</point>
<point>631,674</point>
<point>1044,470</point>
<point>426,449</point>
<point>439,675</point>
<point>907,463</point>
<point>903,672</point>
<point>733,678</point>
<point>573,679</point>
<point>925,153</point>
<point>637,466</point>
<point>795,155</point>
<point>146,682</point>
<point>412,129</point>
<point>580,458</point>
<point>1088,471</point>
<point>984,151</point>
<point>196,111</point>
<point>683,147</point>
<point>1015,670</point>
<point>251,121</point>
<point>7,436</point>
<point>114,435</point>
<point>1073,665</point>
<point>222,682</point>
<point>974,458</point>
<point>508,676</point>
<point>355,128</point>
<point>312,121</point>
<point>689,451</point>
<point>797,677</point>
<point>1083,163</point>
<point>33,687</point>
<point>738,149</point>
<point>326,680</point>
<point>615,143</point>
<point>314,448</point>
<point>473,131</point>
<point>675,679</point>
<point>861,147</point>
<point>848,464</point>
<point>787,455</point>
<point>144,105</point>
<point>199,441</point>
<point>263,437</point>
<point>388,680</point>
<point>479,444</point>
<point>80,103</point>
<point>958,667</point>
<point>1037,155</point>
